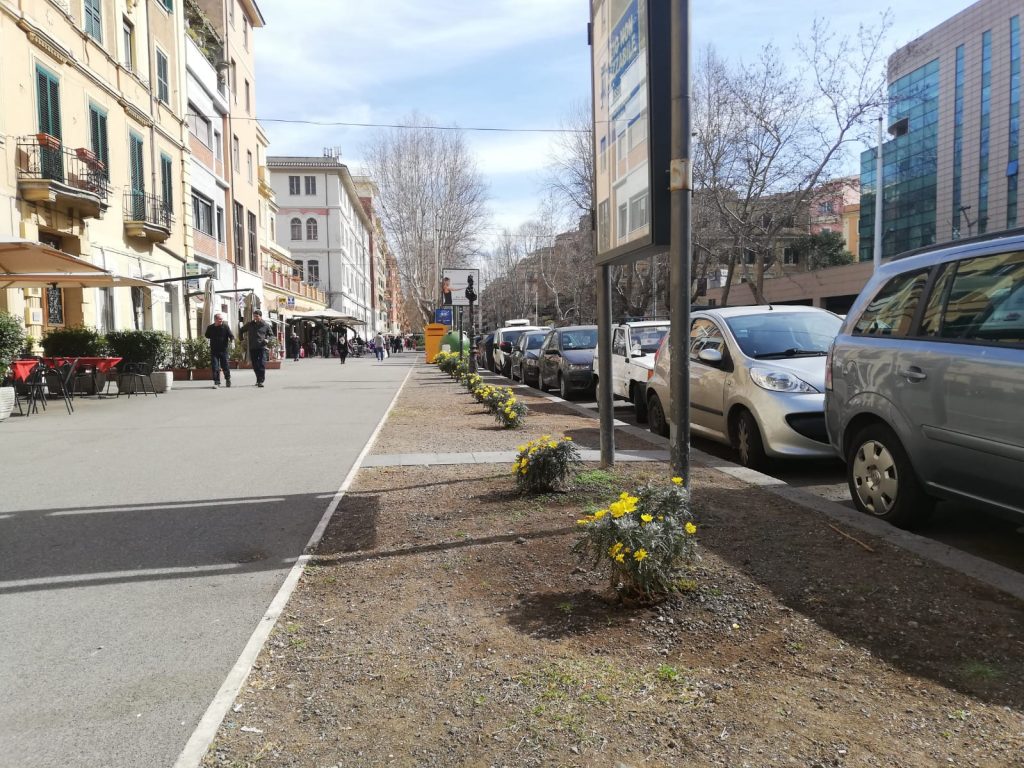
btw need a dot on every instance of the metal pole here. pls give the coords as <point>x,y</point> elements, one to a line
<point>604,365</point>
<point>679,249</point>
<point>876,255</point>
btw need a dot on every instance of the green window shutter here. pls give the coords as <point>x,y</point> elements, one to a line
<point>138,179</point>
<point>163,86</point>
<point>98,138</point>
<point>94,20</point>
<point>166,183</point>
<point>51,160</point>
<point>169,5</point>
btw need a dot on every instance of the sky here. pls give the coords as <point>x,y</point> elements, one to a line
<point>517,64</point>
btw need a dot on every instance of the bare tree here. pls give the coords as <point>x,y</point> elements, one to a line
<point>432,203</point>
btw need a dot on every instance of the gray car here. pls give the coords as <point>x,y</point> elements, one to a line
<point>757,378</point>
<point>567,360</point>
<point>925,398</point>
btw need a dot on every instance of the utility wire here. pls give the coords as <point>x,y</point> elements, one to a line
<point>491,129</point>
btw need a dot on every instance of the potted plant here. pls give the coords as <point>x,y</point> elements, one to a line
<point>197,357</point>
<point>77,341</point>
<point>152,348</point>
<point>12,340</point>
<point>48,141</point>
<point>180,370</point>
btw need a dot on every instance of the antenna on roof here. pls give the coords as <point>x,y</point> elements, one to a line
<point>332,152</point>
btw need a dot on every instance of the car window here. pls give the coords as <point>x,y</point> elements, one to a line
<point>782,334</point>
<point>619,342</point>
<point>534,340</point>
<point>647,339</point>
<point>892,310</point>
<point>511,336</point>
<point>983,301</point>
<point>581,339</point>
<point>704,334</point>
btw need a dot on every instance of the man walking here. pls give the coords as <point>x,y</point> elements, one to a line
<point>378,346</point>
<point>220,337</point>
<point>259,334</point>
<point>343,346</point>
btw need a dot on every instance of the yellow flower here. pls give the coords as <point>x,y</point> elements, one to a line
<point>640,554</point>
<point>615,548</point>
<point>646,518</point>
<point>600,513</point>
<point>521,448</point>
<point>552,444</point>
<point>586,520</point>
<point>691,528</point>
<point>618,509</point>
<point>620,558</point>
<point>567,439</point>
<point>677,480</point>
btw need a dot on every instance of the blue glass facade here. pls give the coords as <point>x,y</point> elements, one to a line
<point>986,129</point>
<point>910,164</point>
<point>1013,160</point>
<point>958,141</point>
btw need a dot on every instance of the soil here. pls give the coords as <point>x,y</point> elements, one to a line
<point>445,622</point>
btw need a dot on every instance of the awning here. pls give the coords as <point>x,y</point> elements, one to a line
<point>330,315</point>
<point>19,256</point>
<point>99,279</point>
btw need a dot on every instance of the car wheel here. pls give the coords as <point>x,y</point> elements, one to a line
<point>882,481</point>
<point>563,387</point>
<point>749,444</point>
<point>639,405</point>
<point>656,420</point>
<point>512,372</point>
<point>541,384</point>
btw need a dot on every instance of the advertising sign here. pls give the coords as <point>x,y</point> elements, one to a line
<point>193,268</point>
<point>454,283</point>
<point>443,315</point>
<point>631,59</point>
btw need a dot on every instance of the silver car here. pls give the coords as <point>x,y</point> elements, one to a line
<point>925,397</point>
<point>757,381</point>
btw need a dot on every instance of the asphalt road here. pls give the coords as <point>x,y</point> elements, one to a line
<point>959,526</point>
<point>141,541</point>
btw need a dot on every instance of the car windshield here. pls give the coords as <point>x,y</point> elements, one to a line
<point>511,336</point>
<point>581,339</point>
<point>776,334</point>
<point>534,340</point>
<point>647,340</point>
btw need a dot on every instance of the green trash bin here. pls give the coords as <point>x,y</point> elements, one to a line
<point>451,339</point>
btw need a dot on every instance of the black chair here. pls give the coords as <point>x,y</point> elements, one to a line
<point>136,378</point>
<point>36,389</point>
<point>86,372</point>
<point>60,380</point>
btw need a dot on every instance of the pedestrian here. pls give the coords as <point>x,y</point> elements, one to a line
<point>378,346</point>
<point>343,346</point>
<point>259,333</point>
<point>220,337</point>
<point>312,347</point>
<point>296,346</point>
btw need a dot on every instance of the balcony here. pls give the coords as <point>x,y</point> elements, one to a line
<point>147,217</point>
<point>73,181</point>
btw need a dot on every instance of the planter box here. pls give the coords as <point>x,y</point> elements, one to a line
<point>202,374</point>
<point>6,402</point>
<point>182,374</point>
<point>163,381</point>
<point>273,365</point>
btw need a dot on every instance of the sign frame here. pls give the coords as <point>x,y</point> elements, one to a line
<point>459,281</point>
<point>655,18</point>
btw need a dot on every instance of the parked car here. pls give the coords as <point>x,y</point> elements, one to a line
<point>525,356</point>
<point>925,396</point>
<point>504,339</point>
<point>567,360</point>
<point>757,381</point>
<point>485,352</point>
<point>634,346</point>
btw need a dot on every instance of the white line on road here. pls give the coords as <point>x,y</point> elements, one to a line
<point>206,731</point>
<point>116,575</point>
<point>159,507</point>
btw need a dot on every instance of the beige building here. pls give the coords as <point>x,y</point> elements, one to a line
<point>92,153</point>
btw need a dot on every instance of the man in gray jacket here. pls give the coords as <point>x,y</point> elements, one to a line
<point>259,333</point>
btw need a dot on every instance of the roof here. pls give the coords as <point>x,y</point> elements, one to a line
<point>285,161</point>
<point>758,309</point>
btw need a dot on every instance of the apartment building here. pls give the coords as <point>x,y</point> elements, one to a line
<point>92,154</point>
<point>323,223</point>
<point>951,166</point>
<point>379,275</point>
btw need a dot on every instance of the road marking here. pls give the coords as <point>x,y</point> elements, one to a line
<point>112,575</point>
<point>206,731</point>
<point>159,507</point>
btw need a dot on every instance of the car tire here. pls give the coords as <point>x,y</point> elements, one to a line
<point>563,387</point>
<point>882,480</point>
<point>639,406</point>
<point>657,421</point>
<point>541,384</point>
<point>748,442</point>
<point>512,372</point>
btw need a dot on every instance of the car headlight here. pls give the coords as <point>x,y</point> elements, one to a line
<point>780,381</point>
<point>579,366</point>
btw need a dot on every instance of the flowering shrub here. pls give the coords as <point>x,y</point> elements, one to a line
<point>645,539</point>
<point>472,381</point>
<point>510,412</point>
<point>545,464</point>
<point>447,361</point>
<point>481,392</point>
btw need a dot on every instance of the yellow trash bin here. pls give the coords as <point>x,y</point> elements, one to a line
<point>432,335</point>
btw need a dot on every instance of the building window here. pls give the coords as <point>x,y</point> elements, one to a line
<point>253,263</point>
<point>296,229</point>
<point>986,116</point>
<point>604,153</point>
<point>789,256</point>
<point>294,185</point>
<point>623,220</point>
<point>106,307</point>
<point>128,40</point>
<point>245,33</point>
<point>958,140</point>
<point>248,98</point>
<point>169,7</point>
<point>1013,160</point>
<point>167,182</point>
<point>202,214</point>
<point>313,272</point>
<point>311,185</point>
<point>234,81</point>
<point>220,224</point>
<point>94,20</point>
<point>163,84</point>
<point>218,146</point>
<point>198,125</point>
<point>54,305</point>
<point>638,212</point>
<point>311,230</point>
<point>239,234</point>
<point>236,161</point>
<point>248,160</point>
<point>136,164</point>
<point>826,209</point>
<point>98,137</point>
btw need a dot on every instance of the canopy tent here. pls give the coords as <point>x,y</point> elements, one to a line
<point>329,317</point>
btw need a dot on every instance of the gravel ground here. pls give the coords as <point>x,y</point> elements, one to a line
<point>444,622</point>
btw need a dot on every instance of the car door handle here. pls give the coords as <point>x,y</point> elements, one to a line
<point>913,373</point>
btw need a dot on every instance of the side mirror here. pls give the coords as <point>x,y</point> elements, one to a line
<point>506,346</point>
<point>710,356</point>
<point>637,353</point>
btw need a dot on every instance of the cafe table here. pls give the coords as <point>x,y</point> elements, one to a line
<point>93,365</point>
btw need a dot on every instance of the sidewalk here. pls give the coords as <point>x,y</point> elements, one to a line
<point>443,621</point>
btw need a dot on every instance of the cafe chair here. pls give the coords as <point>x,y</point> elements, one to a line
<point>85,372</point>
<point>44,381</point>
<point>60,378</point>
<point>136,378</point>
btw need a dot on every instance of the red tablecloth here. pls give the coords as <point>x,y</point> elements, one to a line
<point>102,364</point>
<point>22,368</point>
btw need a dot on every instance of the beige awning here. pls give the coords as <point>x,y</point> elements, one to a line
<point>99,279</point>
<point>19,256</point>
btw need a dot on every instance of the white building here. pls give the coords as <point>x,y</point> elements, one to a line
<point>322,222</point>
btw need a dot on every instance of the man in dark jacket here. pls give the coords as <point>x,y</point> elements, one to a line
<point>220,337</point>
<point>259,333</point>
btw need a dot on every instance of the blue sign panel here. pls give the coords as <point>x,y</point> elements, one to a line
<point>443,315</point>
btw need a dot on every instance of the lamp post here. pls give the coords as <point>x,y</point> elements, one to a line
<point>470,297</point>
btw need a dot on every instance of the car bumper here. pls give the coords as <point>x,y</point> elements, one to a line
<point>579,379</point>
<point>792,425</point>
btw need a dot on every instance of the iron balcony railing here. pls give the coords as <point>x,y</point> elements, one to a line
<point>138,206</point>
<point>44,157</point>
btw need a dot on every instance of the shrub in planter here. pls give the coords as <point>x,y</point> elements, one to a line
<point>545,464</point>
<point>74,341</point>
<point>150,347</point>
<point>645,539</point>
<point>510,412</point>
<point>12,341</point>
<point>196,353</point>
